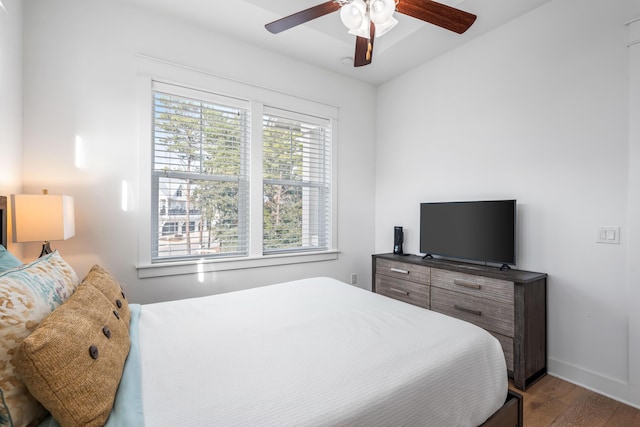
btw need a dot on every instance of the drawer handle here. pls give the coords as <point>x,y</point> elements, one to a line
<point>467,310</point>
<point>399,291</point>
<point>466,284</point>
<point>399,270</point>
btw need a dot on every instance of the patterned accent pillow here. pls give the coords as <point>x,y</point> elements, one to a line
<point>5,416</point>
<point>28,294</point>
<point>73,361</point>
<point>7,261</point>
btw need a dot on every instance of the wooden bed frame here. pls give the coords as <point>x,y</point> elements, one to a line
<point>510,415</point>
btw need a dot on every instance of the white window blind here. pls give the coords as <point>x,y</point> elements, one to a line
<point>296,182</point>
<point>200,174</point>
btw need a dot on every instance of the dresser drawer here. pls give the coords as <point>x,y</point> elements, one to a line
<point>478,286</point>
<point>495,316</point>
<point>403,290</point>
<point>403,270</point>
<point>507,348</point>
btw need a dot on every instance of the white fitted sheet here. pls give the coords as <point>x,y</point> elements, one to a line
<point>314,352</point>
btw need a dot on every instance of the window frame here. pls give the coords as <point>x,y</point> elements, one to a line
<point>184,93</point>
<point>315,179</point>
<point>152,69</point>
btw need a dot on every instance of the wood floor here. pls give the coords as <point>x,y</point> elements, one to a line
<point>554,402</point>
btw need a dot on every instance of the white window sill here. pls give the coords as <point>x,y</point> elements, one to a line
<point>204,265</point>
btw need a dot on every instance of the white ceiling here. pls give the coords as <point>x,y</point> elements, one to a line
<point>324,42</point>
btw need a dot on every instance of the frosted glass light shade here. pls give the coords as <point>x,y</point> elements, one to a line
<point>364,30</point>
<point>352,14</point>
<point>382,10</point>
<point>357,16</point>
<point>42,217</point>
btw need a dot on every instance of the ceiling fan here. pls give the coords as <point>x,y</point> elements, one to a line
<point>368,19</point>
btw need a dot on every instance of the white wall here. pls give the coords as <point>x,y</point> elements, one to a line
<point>11,103</point>
<point>536,110</point>
<point>80,82</point>
<point>634,211</point>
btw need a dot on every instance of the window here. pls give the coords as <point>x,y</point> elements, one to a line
<point>205,149</point>
<point>296,183</point>
<point>199,175</point>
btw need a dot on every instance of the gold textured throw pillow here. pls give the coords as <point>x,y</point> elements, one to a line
<point>100,279</point>
<point>73,361</point>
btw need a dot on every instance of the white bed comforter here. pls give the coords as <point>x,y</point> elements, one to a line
<point>314,352</point>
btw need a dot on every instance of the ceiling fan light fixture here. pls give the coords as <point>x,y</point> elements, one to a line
<point>369,19</point>
<point>382,29</point>
<point>364,30</point>
<point>353,14</point>
<point>381,10</point>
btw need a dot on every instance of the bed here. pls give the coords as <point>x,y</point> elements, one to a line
<point>312,352</point>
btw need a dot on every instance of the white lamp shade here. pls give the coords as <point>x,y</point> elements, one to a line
<point>352,14</point>
<point>42,217</point>
<point>382,10</point>
<point>364,30</point>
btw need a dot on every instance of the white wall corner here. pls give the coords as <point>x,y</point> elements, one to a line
<point>633,270</point>
<point>610,387</point>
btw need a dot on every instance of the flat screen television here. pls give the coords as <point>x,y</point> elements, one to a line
<point>478,230</point>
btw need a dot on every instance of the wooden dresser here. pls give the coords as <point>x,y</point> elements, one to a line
<point>510,304</point>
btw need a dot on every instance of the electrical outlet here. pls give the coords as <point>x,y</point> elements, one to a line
<point>354,278</point>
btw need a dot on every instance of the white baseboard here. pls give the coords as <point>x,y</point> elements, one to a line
<point>601,384</point>
<point>634,395</point>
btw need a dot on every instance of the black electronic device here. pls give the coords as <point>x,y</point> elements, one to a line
<point>398,240</point>
<point>475,230</point>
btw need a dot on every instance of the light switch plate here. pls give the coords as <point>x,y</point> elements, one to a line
<point>609,235</point>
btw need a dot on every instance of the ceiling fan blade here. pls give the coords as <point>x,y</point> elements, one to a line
<point>364,48</point>
<point>301,17</point>
<point>444,16</point>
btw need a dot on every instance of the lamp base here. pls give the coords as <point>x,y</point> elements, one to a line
<point>46,249</point>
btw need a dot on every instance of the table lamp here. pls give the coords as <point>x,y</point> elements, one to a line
<point>42,218</point>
